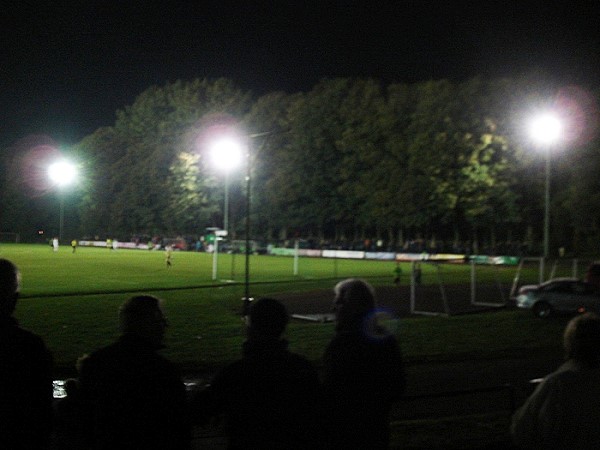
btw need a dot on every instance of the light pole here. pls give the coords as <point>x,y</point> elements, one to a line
<point>247,299</point>
<point>62,173</point>
<point>546,130</point>
<point>226,155</point>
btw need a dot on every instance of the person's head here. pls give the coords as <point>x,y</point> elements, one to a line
<point>267,318</point>
<point>582,339</point>
<point>142,316</point>
<point>10,286</point>
<point>354,300</point>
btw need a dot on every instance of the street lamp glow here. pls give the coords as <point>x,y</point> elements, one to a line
<point>546,129</point>
<point>62,173</point>
<point>226,154</point>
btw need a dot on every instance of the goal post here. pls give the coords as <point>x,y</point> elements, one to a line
<point>494,285</point>
<point>567,267</point>
<point>451,287</point>
<point>415,290</point>
<point>536,270</point>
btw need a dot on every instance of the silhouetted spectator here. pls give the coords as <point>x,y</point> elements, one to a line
<point>564,410</point>
<point>132,397</point>
<point>269,398</point>
<point>364,372</point>
<point>25,374</point>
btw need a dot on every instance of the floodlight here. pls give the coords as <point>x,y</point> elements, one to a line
<point>62,173</point>
<point>227,154</point>
<point>546,129</point>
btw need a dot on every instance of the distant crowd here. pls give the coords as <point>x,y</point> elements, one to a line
<point>417,245</point>
<point>128,396</point>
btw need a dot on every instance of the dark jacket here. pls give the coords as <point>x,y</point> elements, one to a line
<point>25,388</point>
<point>269,399</point>
<point>363,376</point>
<point>133,398</point>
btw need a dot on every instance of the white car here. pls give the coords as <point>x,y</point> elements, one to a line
<point>559,295</point>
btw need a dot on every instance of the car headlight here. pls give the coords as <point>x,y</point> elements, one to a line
<point>524,301</point>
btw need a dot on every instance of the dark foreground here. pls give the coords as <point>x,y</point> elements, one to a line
<point>450,405</point>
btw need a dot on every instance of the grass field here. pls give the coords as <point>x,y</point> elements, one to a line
<point>71,300</point>
<point>98,270</point>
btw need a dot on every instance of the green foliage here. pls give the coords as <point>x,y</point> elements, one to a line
<point>269,160</point>
<point>350,159</point>
<point>147,174</point>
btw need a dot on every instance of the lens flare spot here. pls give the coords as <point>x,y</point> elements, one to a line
<point>380,323</point>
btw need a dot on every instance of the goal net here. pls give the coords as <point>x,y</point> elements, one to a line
<point>537,270</point>
<point>458,287</point>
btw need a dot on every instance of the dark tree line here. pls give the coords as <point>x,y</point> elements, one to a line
<point>352,159</point>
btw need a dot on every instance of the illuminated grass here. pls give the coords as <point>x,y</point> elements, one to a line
<point>98,270</point>
<point>206,330</point>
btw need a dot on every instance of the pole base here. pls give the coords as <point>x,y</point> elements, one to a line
<point>246,307</point>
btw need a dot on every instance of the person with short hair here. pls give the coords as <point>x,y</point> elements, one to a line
<point>25,374</point>
<point>564,410</point>
<point>363,372</point>
<point>270,397</point>
<point>131,396</point>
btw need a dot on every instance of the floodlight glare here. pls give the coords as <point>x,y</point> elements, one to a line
<point>227,154</point>
<point>546,129</point>
<point>62,173</point>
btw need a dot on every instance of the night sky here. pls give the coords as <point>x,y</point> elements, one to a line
<point>65,70</point>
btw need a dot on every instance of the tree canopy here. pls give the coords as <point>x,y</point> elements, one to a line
<point>349,160</point>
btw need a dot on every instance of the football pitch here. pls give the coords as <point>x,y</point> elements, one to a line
<point>99,270</point>
<point>72,300</point>
<point>93,270</point>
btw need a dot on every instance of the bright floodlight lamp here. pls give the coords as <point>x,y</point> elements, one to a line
<point>62,173</point>
<point>546,130</point>
<point>227,154</point>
